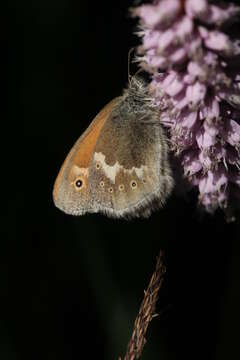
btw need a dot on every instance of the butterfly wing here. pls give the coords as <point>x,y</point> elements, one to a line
<point>129,173</point>
<point>71,191</point>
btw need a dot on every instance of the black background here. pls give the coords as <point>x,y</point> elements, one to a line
<point>71,287</point>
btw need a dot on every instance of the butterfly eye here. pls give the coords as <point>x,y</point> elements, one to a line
<point>97,166</point>
<point>101,184</point>
<point>79,183</point>
<point>110,189</point>
<point>133,184</point>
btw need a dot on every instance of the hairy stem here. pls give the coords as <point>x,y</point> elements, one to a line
<point>146,312</point>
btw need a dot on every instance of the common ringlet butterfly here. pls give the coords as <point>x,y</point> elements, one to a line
<point>119,166</point>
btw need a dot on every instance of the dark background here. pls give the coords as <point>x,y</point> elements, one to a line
<point>71,287</point>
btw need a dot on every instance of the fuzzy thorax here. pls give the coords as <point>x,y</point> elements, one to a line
<point>137,95</point>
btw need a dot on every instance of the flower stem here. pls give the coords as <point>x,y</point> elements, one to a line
<point>146,312</point>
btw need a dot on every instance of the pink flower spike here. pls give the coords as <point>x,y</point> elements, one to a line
<point>194,66</point>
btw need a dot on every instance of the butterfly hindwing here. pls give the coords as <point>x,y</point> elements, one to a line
<point>128,173</point>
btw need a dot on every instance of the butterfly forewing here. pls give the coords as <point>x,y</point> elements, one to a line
<point>76,167</point>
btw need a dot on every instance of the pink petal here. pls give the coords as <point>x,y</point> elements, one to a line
<point>220,178</point>
<point>231,133</point>
<point>195,93</point>
<point>153,15</point>
<point>188,119</point>
<point>196,8</point>
<point>210,109</point>
<point>206,200</point>
<point>168,10</point>
<point>180,100</point>
<point>211,59</point>
<point>218,41</point>
<point>218,152</point>
<point>213,182</point>
<point>206,184</point>
<point>217,15</point>
<point>211,128</point>
<point>148,14</point>
<point>178,56</point>
<point>184,28</point>
<point>189,79</point>
<point>191,163</point>
<point>172,84</point>
<point>223,198</point>
<point>169,78</point>
<point>195,69</point>
<point>151,39</point>
<point>204,139</point>
<point>203,32</point>
<point>193,45</point>
<point>155,61</point>
<point>205,160</point>
<point>166,39</point>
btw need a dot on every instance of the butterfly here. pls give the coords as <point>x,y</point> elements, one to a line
<point>119,166</point>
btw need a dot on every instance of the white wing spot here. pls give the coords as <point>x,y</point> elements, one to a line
<point>112,171</point>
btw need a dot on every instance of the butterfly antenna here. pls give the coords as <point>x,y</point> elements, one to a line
<point>129,61</point>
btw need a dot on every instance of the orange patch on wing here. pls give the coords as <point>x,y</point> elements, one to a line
<point>82,151</point>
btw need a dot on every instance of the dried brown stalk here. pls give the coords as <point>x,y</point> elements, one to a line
<point>146,312</point>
